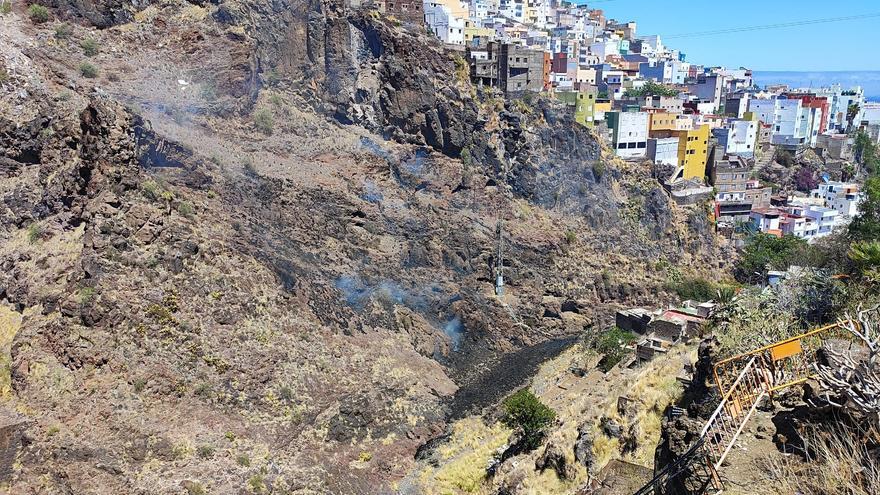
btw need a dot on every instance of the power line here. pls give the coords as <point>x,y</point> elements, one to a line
<point>773,26</point>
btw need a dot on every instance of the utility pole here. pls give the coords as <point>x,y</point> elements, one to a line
<point>499,259</point>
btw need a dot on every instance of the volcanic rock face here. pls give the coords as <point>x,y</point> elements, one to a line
<point>208,306</point>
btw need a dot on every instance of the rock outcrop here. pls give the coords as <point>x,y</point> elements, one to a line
<point>211,302</point>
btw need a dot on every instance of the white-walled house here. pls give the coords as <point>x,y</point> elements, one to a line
<point>663,151</point>
<point>789,124</point>
<point>738,137</point>
<point>446,19</point>
<point>870,113</point>
<point>629,133</point>
<point>844,197</point>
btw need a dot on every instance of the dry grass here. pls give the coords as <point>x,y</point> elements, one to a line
<point>840,464</point>
<point>656,387</point>
<point>465,457</point>
<point>10,322</point>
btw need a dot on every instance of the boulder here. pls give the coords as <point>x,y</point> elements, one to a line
<point>554,458</point>
<point>583,447</point>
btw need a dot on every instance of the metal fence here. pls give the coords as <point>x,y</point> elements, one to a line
<point>786,363</point>
<point>743,381</point>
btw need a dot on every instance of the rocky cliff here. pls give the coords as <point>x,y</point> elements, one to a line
<point>255,252</point>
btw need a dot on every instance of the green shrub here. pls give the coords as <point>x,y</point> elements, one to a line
<point>466,157</point>
<point>598,169</point>
<point>34,233</point>
<point>205,451</point>
<point>264,121</point>
<point>38,13</point>
<point>286,394</point>
<point>63,31</point>
<point>88,70</point>
<point>570,237</point>
<point>4,76</point>
<point>86,295</point>
<point>5,7</point>
<point>257,483</point>
<point>765,252</point>
<point>272,78</point>
<point>866,226</point>
<point>249,168</point>
<point>139,384</point>
<point>186,209</point>
<point>612,344</point>
<point>527,414</point>
<point>753,320</point>
<point>243,460</point>
<point>651,88</point>
<point>202,390</point>
<point>161,314</point>
<point>194,488</point>
<point>462,70</point>
<point>694,288</point>
<point>150,189</point>
<point>89,47</point>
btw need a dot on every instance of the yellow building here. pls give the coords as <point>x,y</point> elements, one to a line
<point>693,147</point>
<point>471,31</point>
<point>599,109</point>
<point>693,151</point>
<point>662,121</point>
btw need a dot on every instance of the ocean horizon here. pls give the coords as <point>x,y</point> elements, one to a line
<point>868,80</point>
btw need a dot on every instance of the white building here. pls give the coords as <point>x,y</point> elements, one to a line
<point>604,48</point>
<point>629,133</point>
<point>738,137</point>
<point>826,219</point>
<point>707,87</point>
<point>788,120</point>
<point>766,220</point>
<point>667,71</point>
<point>847,99</point>
<point>663,151</point>
<point>803,227</point>
<point>513,9</point>
<point>870,114</point>
<point>651,44</point>
<point>814,124</point>
<point>843,197</point>
<point>446,19</point>
<point>847,204</point>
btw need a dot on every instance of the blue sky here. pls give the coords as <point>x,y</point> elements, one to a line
<point>835,46</point>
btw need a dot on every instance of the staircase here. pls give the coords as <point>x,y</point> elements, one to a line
<point>760,373</point>
<point>766,158</point>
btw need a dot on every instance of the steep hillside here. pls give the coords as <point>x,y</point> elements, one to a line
<point>255,251</point>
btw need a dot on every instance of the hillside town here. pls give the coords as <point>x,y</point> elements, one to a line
<point>707,129</point>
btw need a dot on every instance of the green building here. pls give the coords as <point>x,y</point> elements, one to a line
<point>584,103</point>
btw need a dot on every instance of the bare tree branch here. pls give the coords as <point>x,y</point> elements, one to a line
<point>851,378</point>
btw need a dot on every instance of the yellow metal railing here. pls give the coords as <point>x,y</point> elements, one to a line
<point>785,363</point>
<point>743,381</point>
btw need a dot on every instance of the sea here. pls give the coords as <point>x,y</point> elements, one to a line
<point>868,80</point>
